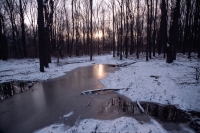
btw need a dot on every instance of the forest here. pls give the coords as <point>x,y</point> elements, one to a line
<point>45,28</point>
<point>99,66</point>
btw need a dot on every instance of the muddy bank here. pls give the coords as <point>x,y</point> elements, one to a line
<point>9,89</point>
<point>169,116</point>
<point>164,113</point>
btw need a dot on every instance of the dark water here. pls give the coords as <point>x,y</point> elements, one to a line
<point>46,103</point>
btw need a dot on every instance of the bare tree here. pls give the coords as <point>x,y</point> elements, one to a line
<point>175,28</point>
<point>163,27</point>
<point>113,12</point>
<point>138,29</point>
<point>3,44</point>
<point>9,7</point>
<point>91,35</point>
<point>22,7</point>
<point>41,34</point>
<point>155,29</point>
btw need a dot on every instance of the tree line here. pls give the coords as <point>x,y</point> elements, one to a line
<point>45,28</point>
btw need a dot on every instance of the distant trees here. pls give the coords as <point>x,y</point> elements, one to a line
<point>76,27</point>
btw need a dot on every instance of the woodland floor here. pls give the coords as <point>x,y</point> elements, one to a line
<point>151,81</point>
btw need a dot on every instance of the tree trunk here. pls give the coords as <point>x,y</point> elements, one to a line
<point>154,31</point>
<point>186,32</point>
<point>132,39</point>
<point>91,45</point>
<point>137,52</point>
<point>98,51</point>
<point>1,38</point>
<point>175,28</point>
<point>198,16</point>
<point>48,25</point>
<point>148,31</point>
<point>121,32</point>
<point>3,44</point>
<point>113,9</point>
<point>23,29</point>
<point>127,30</point>
<point>163,28</point>
<point>41,34</point>
<point>103,31</point>
<point>71,49</point>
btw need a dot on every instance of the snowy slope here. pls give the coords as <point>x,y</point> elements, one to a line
<point>122,125</point>
<point>159,82</point>
<point>119,125</point>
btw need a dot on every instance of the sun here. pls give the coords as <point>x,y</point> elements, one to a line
<point>98,34</point>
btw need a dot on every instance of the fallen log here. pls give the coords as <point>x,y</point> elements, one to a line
<point>100,90</point>
<point>121,65</point>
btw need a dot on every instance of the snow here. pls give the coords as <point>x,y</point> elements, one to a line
<point>158,81</point>
<point>167,44</point>
<point>154,81</point>
<point>122,125</point>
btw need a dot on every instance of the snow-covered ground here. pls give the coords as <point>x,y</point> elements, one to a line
<point>28,69</point>
<point>160,82</point>
<point>155,81</point>
<point>120,125</point>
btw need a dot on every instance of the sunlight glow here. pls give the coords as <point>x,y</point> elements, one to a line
<point>98,34</point>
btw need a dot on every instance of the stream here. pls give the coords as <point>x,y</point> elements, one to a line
<point>48,101</point>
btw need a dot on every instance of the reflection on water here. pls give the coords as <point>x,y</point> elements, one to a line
<point>39,100</point>
<point>100,70</point>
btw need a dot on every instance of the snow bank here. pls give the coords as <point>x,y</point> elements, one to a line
<point>160,82</point>
<point>122,125</point>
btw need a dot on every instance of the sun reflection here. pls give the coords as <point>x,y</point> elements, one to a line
<point>100,70</point>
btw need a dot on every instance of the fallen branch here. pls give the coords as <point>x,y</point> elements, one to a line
<point>121,65</point>
<point>141,108</point>
<point>100,90</point>
<point>153,76</point>
<point>126,64</point>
